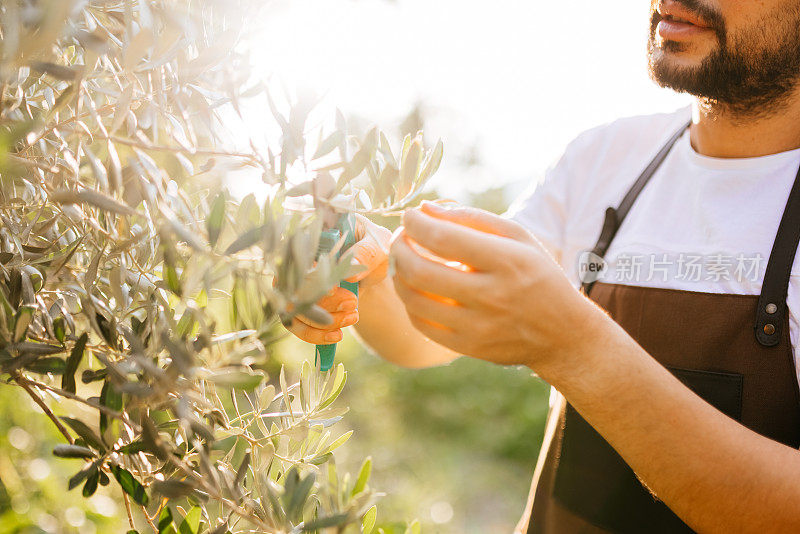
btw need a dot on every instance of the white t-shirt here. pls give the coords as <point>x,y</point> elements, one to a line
<point>701,224</point>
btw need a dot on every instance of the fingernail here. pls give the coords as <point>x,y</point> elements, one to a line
<point>430,206</point>
<point>333,337</point>
<point>350,319</point>
<point>440,208</point>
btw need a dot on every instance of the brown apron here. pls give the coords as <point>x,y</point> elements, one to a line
<point>581,484</point>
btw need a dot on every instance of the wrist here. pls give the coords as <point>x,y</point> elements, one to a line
<point>588,336</point>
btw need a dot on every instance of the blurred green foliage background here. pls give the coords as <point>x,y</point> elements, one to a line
<point>454,446</point>
<point>33,483</point>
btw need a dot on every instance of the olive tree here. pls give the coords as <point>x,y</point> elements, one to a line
<point>136,289</point>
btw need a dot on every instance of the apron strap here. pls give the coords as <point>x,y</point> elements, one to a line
<point>615,216</point>
<point>772,302</point>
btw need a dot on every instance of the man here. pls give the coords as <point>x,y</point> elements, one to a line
<point>676,359</point>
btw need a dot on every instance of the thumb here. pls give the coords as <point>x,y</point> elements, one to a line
<point>478,219</point>
<point>371,250</point>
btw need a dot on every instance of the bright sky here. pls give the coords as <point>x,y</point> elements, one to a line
<point>518,79</point>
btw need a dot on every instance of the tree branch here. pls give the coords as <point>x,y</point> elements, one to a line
<point>23,382</point>
<point>128,510</point>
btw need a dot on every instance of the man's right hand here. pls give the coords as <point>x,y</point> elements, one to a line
<point>370,250</point>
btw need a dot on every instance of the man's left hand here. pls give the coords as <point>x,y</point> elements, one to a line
<point>485,287</point>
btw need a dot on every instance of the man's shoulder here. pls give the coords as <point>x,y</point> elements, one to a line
<point>649,122</point>
<point>602,163</point>
<point>637,137</point>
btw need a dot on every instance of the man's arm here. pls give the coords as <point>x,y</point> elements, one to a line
<point>385,327</point>
<point>714,473</point>
<point>516,307</point>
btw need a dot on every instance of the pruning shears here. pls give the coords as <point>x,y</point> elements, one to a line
<point>345,227</point>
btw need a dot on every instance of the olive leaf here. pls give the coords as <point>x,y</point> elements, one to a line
<point>74,359</point>
<point>368,522</point>
<point>22,319</point>
<point>333,141</point>
<point>236,378</point>
<point>130,485</point>
<point>92,198</point>
<point>246,240</point>
<point>173,489</point>
<point>83,474</point>
<point>84,432</point>
<point>335,520</point>
<point>51,364</point>
<point>72,451</point>
<point>215,219</point>
<point>165,521</point>
<point>191,521</point>
<point>91,484</point>
<point>111,398</point>
<point>363,476</point>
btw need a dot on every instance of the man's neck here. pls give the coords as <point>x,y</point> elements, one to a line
<point>718,132</point>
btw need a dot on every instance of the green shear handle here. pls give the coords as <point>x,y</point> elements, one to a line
<point>346,227</point>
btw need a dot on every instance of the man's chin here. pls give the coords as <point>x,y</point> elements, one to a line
<point>675,56</point>
<point>671,70</point>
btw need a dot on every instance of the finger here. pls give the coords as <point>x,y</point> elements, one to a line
<point>338,300</point>
<point>437,333</point>
<point>477,219</point>
<point>314,335</point>
<point>369,253</point>
<point>443,312</point>
<point>371,249</point>
<point>433,326</point>
<point>361,226</point>
<point>429,276</point>
<point>452,241</point>
<point>339,320</point>
<point>445,337</point>
<point>379,272</point>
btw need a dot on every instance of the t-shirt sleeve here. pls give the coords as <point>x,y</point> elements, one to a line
<point>543,208</point>
<point>577,189</point>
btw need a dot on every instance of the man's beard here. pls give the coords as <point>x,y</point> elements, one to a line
<point>749,74</point>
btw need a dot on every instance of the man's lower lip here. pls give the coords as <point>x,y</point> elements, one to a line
<point>672,30</point>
